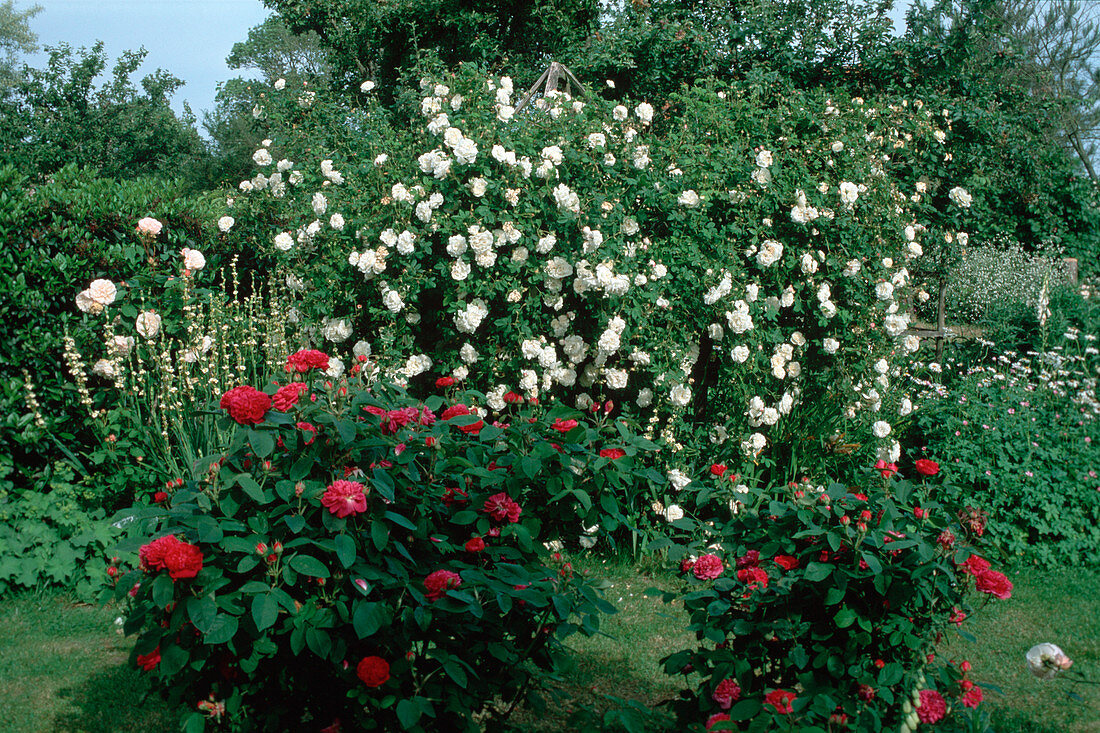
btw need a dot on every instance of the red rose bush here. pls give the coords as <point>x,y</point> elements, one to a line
<point>384,568</point>
<point>820,608</point>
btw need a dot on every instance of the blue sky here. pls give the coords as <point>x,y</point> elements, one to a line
<point>189,38</point>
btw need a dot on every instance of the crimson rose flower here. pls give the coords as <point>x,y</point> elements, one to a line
<point>749,560</point>
<point>780,700</point>
<point>726,692</point>
<point>994,583</point>
<point>458,410</point>
<point>183,560</point>
<point>395,419</point>
<point>345,498</point>
<point>973,697</point>
<point>512,398</point>
<point>754,577</point>
<point>439,582</point>
<point>306,359</point>
<point>717,469</point>
<point>975,565</point>
<point>932,707</point>
<point>926,467</point>
<point>308,428</point>
<point>152,554</point>
<point>373,671</point>
<point>563,426</point>
<point>708,567</point>
<point>246,405</point>
<point>286,397</point>
<point>612,453</point>
<point>444,382</point>
<point>475,544</point>
<point>149,661</point>
<point>786,562</point>
<point>502,507</point>
<point>716,719</point>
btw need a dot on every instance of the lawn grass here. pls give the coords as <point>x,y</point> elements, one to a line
<point>63,668</point>
<point>1057,606</point>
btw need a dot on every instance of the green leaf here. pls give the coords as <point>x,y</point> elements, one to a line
<point>455,672</point>
<point>745,709</point>
<point>301,468</point>
<point>345,549</point>
<point>845,618</point>
<point>262,443</point>
<point>309,565</point>
<point>346,430</point>
<point>172,659</point>
<point>252,488</point>
<point>466,516</point>
<point>163,590</point>
<point>399,520</point>
<point>816,571</point>
<point>265,610</point>
<point>407,713</point>
<point>368,618</point>
<point>222,629</point>
<point>379,534</point>
<point>202,611</point>
<point>295,523</point>
<point>530,466</point>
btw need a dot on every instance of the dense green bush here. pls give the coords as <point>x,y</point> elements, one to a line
<point>819,608</point>
<point>358,554</point>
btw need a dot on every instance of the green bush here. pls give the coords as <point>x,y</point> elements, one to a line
<point>819,609</point>
<point>294,580</point>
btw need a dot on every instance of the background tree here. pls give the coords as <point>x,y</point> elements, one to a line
<point>16,38</point>
<point>57,115</point>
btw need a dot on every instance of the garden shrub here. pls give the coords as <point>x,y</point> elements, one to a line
<point>819,608</point>
<point>581,251</point>
<point>1019,437</point>
<point>357,554</point>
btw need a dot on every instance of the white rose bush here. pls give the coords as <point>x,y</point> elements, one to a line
<point>703,280</point>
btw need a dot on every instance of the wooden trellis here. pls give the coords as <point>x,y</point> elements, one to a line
<point>550,81</point>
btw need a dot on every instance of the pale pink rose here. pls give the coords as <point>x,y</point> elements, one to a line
<point>192,259</point>
<point>85,303</point>
<point>102,291</point>
<point>149,226</point>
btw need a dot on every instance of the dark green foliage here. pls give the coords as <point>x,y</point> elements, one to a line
<point>56,116</point>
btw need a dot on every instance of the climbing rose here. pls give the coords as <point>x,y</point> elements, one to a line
<point>439,582</point>
<point>152,554</point>
<point>708,567</point>
<point>444,382</point>
<point>373,671</point>
<point>786,562</point>
<point>932,707</point>
<point>975,565</point>
<point>754,577</point>
<point>246,405</point>
<point>304,360</point>
<point>183,560</point>
<point>345,498</point>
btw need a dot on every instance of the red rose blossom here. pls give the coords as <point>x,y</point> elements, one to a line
<point>306,359</point>
<point>308,428</point>
<point>926,467</point>
<point>708,567</point>
<point>749,560</point>
<point>716,719</point>
<point>780,700</point>
<point>564,426</point>
<point>754,577</point>
<point>612,453</point>
<point>994,583</point>
<point>286,397</point>
<point>443,382</point>
<point>149,661</point>
<point>183,560</point>
<point>246,405</point>
<point>502,507</point>
<point>786,562</point>
<point>345,498</point>
<point>475,544</point>
<point>399,418</point>
<point>453,495</point>
<point>932,707</point>
<point>726,693</point>
<point>975,565</point>
<point>457,410</point>
<point>717,469</point>
<point>972,697</point>
<point>160,497</point>
<point>152,554</point>
<point>439,582</point>
<point>373,671</point>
